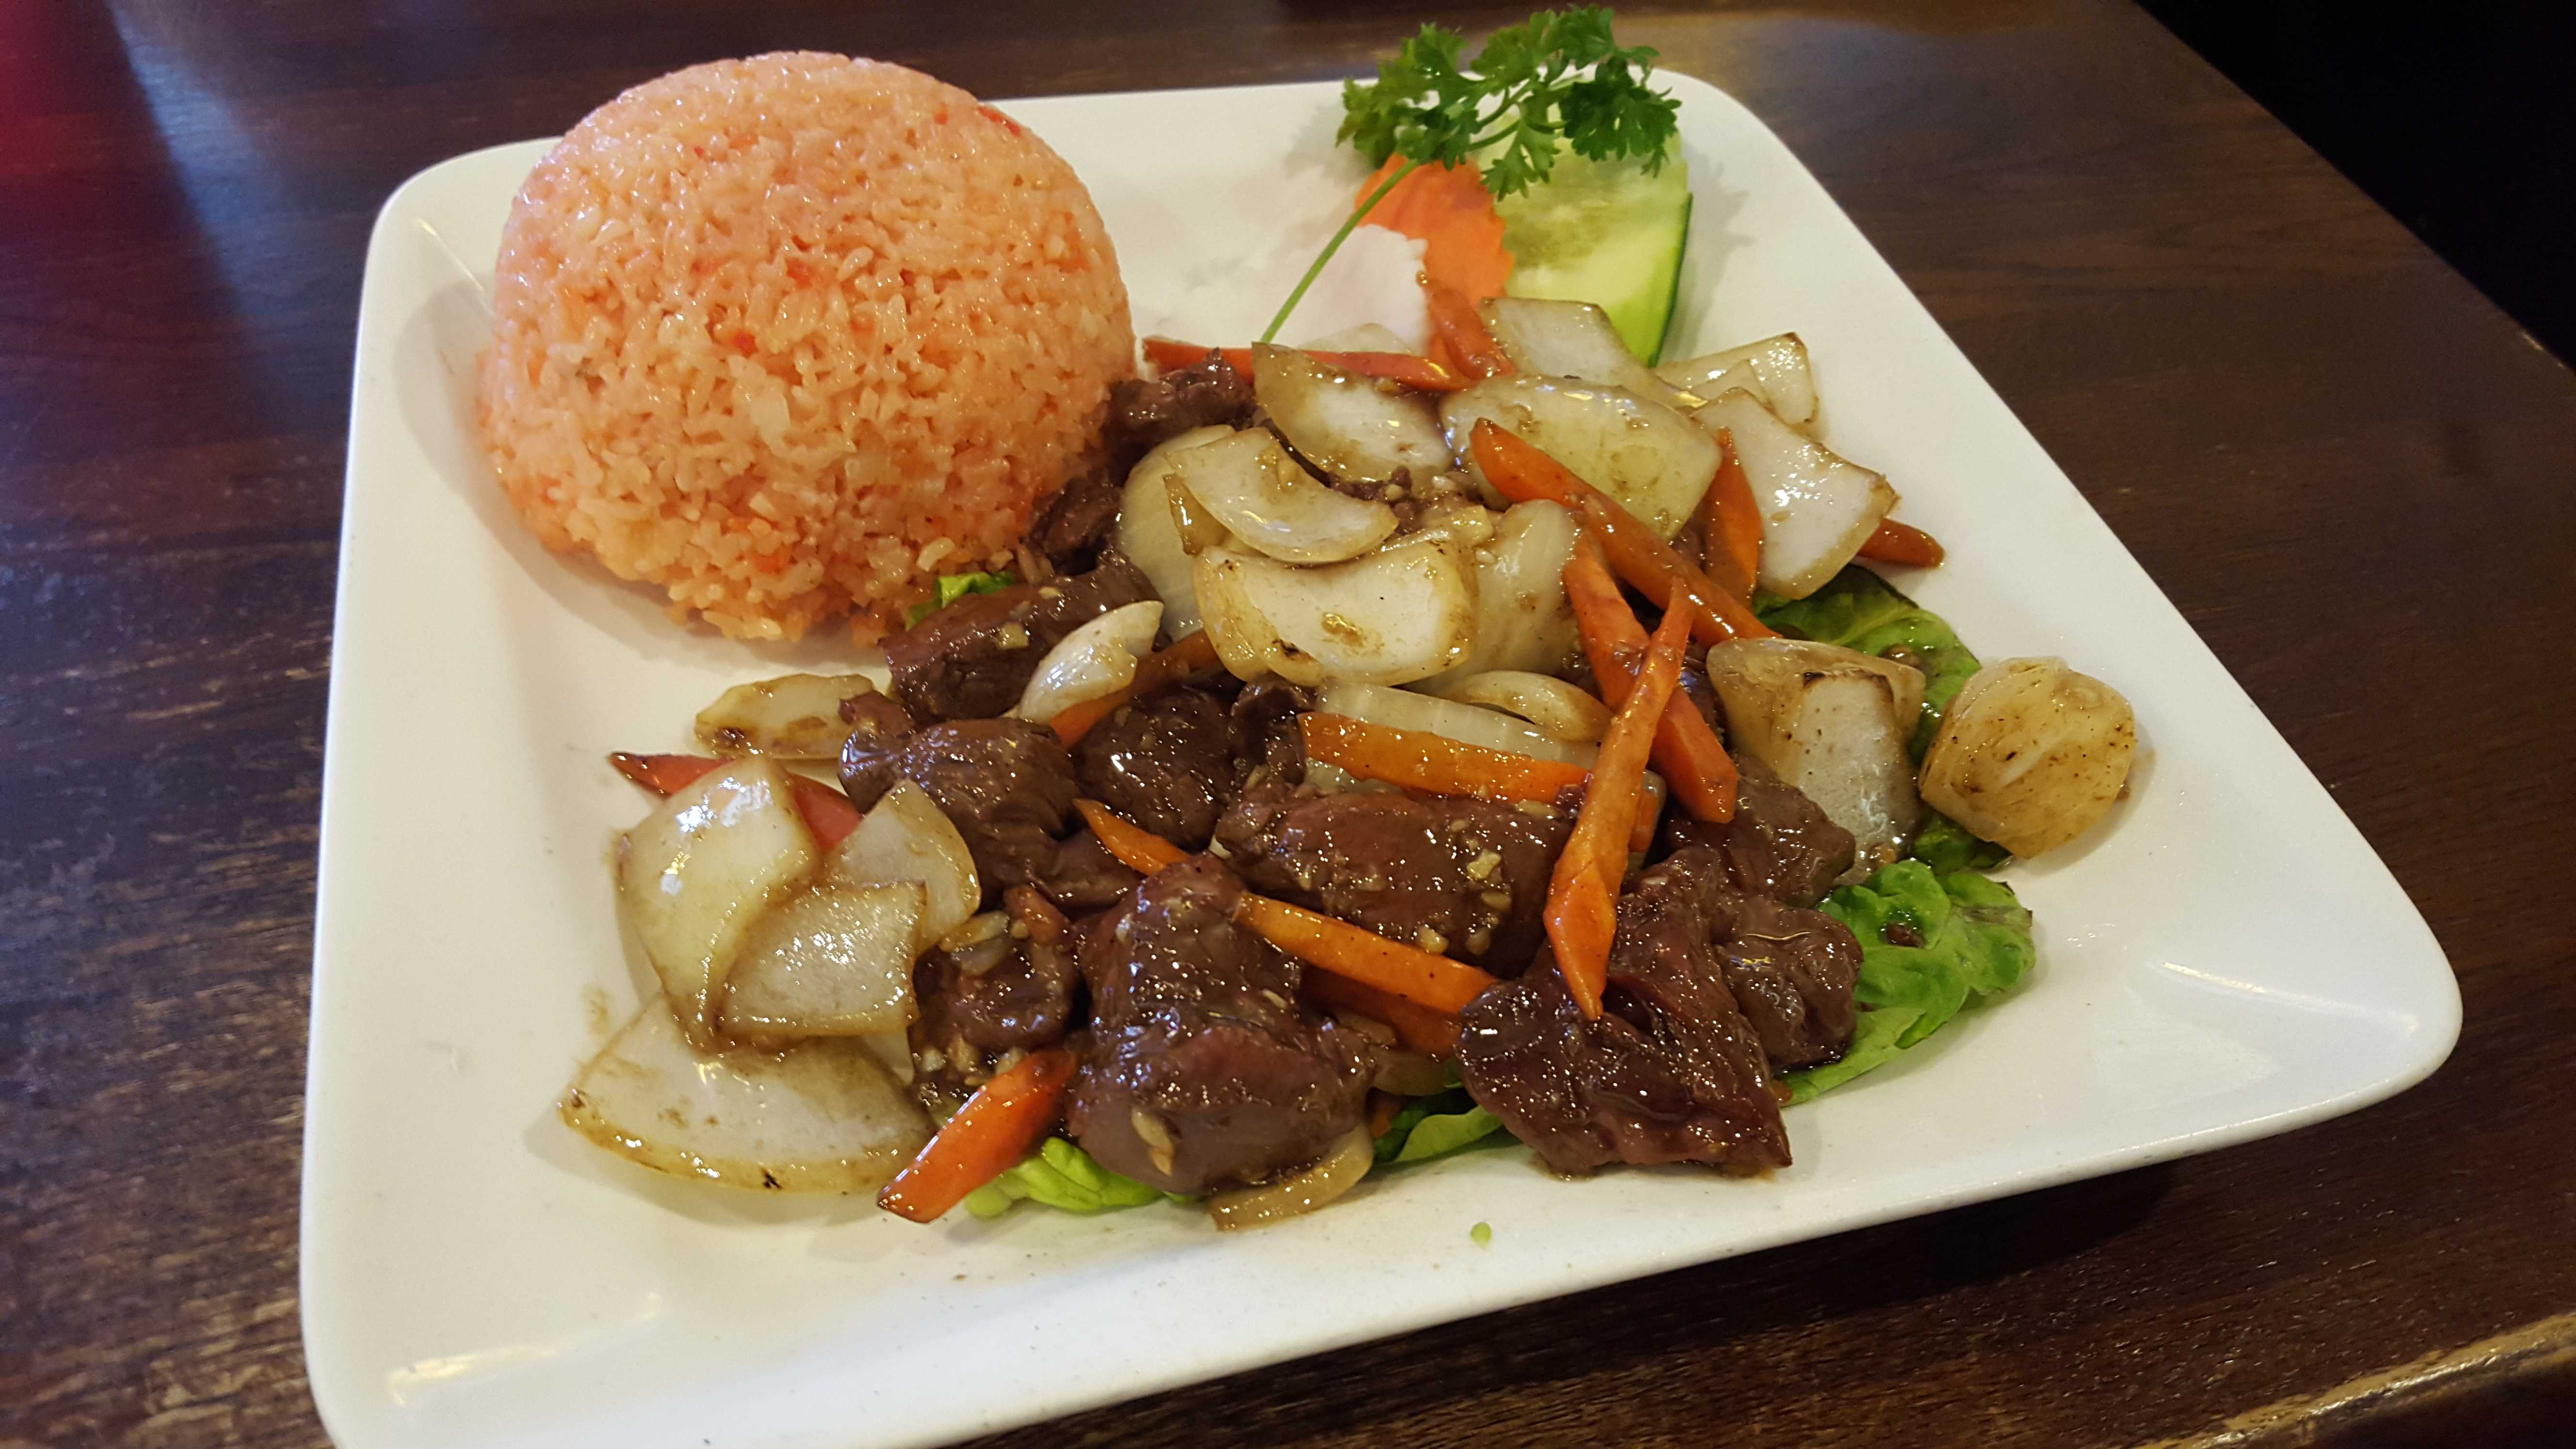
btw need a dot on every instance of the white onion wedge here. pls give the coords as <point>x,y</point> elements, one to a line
<point>822,1117</point>
<point>1788,385</point>
<point>1834,722</point>
<point>2030,754</point>
<point>1571,339</point>
<point>1347,425</point>
<point>1523,618</point>
<point>1655,461</point>
<point>1817,509</point>
<point>695,876</point>
<point>1250,486</point>
<point>1560,710</point>
<point>1095,660</point>
<point>1300,1192</point>
<point>833,961</point>
<point>907,837</point>
<point>792,717</point>
<point>1146,535</point>
<point>1403,612</point>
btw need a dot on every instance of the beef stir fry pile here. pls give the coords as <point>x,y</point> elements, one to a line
<point>1347,748</point>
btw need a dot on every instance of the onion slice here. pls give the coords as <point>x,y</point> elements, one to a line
<point>907,837</point>
<point>1146,534</point>
<point>1403,612</point>
<point>1093,661</point>
<point>1777,365</point>
<point>833,961</point>
<point>1654,461</point>
<point>1299,1193</point>
<point>1249,484</point>
<point>792,717</point>
<point>822,1117</point>
<point>1346,425</point>
<point>697,874</point>
<point>1561,711</point>
<point>1547,338</point>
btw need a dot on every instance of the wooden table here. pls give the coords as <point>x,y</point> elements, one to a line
<point>2356,478</point>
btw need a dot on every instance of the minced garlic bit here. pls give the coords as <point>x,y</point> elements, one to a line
<point>1011,636</point>
<point>1482,867</point>
<point>1431,941</point>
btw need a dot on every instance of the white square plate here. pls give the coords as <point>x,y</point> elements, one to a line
<point>2231,960</point>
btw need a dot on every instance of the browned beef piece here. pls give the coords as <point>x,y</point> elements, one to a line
<point>1171,762</point>
<point>1072,528</point>
<point>1790,969</point>
<point>876,715</point>
<point>1669,1072</point>
<point>1013,991</point>
<point>1779,844</point>
<point>1203,1069</point>
<point>1791,972</point>
<point>1084,878</point>
<point>1006,783</point>
<point>972,659</point>
<point>1447,873</point>
<point>1265,714</point>
<point>1143,414</point>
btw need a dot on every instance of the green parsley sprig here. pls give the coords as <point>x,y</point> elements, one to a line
<point>1557,77</point>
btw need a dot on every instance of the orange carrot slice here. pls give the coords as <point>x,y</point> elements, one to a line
<point>1432,1033</point>
<point>1364,956</point>
<point>826,811</point>
<point>1689,753</point>
<point>1421,760</point>
<point>996,1128</point>
<point>1135,847</point>
<point>1463,331</point>
<point>1732,523</point>
<point>1521,472</point>
<point>1583,893</point>
<point>1902,543</point>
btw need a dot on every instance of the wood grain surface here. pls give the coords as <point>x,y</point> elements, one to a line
<point>2355,477</point>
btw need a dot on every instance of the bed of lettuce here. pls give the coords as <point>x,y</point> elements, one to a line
<point>1959,936</point>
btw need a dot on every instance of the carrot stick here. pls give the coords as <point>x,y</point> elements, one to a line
<point>1454,318</point>
<point>1732,523</point>
<point>1365,956</point>
<point>1135,847</point>
<point>1409,972</point>
<point>1432,1033</point>
<point>1398,367</point>
<point>1902,543</point>
<point>1687,751</point>
<point>996,1128</point>
<point>1186,656</point>
<point>826,811</point>
<point>1522,472</point>
<point>1421,760</point>
<point>1583,893</point>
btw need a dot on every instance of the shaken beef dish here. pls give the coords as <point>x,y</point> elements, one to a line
<point>1113,912</point>
<point>1462,729</point>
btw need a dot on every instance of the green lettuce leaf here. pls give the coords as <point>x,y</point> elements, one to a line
<point>1063,1176</point>
<point>1429,1127</point>
<point>1859,610</point>
<point>952,587</point>
<point>1975,942</point>
<point>1945,845</point>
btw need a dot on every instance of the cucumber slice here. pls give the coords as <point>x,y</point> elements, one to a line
<point>1604,232</point>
